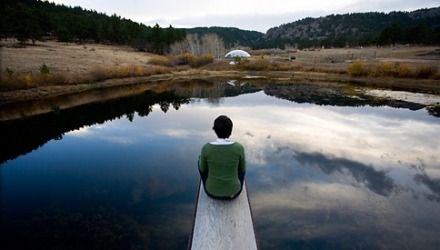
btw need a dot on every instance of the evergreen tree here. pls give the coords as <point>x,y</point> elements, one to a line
<point>391,35</point>
<point>157,39</point>
<point>418,34</point>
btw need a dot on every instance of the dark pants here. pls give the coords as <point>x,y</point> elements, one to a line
<point>204,177</point>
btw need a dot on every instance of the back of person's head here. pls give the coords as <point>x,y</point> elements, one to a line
<point>223,127</point>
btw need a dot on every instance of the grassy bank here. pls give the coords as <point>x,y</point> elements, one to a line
<point>354,71</point>
<point>12,80</point>
<point>67,65</point>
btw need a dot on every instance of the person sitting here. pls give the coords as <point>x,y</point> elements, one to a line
<point>222,164</point>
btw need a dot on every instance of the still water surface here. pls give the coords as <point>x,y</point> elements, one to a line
<point>327,168</point>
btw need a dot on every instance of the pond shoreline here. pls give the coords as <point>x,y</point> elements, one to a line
<point>80,63</point>
<point>13,103</point>
<point>38,93</point>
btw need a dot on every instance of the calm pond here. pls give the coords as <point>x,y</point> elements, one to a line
<point>328,167</point>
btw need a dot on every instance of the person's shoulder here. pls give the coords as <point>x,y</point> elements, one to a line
<point>238,145</point>
<point>206,146</point>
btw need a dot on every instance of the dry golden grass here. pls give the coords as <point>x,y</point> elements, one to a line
<point>161,61</point>
<point>393,69</point>
<point>64,58</point>
<point>195,61</point>
<point>14,80</point>
<point>69,64</point>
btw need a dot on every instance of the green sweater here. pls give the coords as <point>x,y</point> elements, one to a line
<point>222,162</point>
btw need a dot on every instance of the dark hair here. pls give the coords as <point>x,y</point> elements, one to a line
<point>223,127</point>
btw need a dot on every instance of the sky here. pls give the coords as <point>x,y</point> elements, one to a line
<point>258,15</point>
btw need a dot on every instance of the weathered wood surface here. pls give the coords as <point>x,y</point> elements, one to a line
<point>223,224</point>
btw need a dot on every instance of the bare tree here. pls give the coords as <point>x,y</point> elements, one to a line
<point>213,45</point>
<point>179,47</point>
<point>209,43</point>
<point>194,44</point>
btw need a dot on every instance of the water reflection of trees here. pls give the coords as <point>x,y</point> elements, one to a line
<point>25,135</point>
<point>434,110</point>
<point>214,92</point>
<point>28,134</point>
<point>337,95</point>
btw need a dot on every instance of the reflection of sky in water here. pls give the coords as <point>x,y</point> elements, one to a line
<point>318,176</point>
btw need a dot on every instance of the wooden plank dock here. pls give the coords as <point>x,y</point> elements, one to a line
<point>222,224</point>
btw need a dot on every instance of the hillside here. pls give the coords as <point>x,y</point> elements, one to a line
<point>420,26</point>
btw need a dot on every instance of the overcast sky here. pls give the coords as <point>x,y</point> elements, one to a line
<point>259,15</point>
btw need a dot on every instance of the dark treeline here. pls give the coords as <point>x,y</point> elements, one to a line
<point>420,27</point>
<point>34,20</point>
<point>418,34</point>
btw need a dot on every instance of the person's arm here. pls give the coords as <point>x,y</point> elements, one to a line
<point>203,166</point>
<point>242,166</point>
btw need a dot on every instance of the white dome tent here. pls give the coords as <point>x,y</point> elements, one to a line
<point>237,53</point>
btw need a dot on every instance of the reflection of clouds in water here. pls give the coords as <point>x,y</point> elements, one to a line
<point>349,142</point>
<point>287,165</point>
<point>422,98</point>
<point>81,132</point>
<point>339,173</point>
<point>367,137</point>
<point>155,187</point>
<point>309,196</point>
<point>432,184</point>
<point>162,202</point>
<point>376,181</point>
<point>307,210</point>
<point>120,139</point>
<point>302,214</point>
<point>176,133</point>
<point>175,220</point>
<point>104,132</point>
<point>340,141</point>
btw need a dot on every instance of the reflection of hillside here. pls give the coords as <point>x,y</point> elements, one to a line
<point>27,134</point>
<point>23,136</point>
<point>334,96</point>
<point>434,110</point>
<point>216,90</point>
